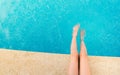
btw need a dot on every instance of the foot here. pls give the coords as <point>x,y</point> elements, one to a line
<point>75,30</point>
<point>82,34</point>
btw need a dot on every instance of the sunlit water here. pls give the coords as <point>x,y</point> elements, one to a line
<point>46,25</point>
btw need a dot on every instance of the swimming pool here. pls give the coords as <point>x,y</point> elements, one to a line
<point>46,25</point>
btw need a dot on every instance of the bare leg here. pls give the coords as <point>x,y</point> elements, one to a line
<point>84,66</point>
<point>73,68</point>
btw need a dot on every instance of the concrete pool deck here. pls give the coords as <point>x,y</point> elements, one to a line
<point>13,62</point>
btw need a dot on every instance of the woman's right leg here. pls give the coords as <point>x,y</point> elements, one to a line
<point>84,65</point>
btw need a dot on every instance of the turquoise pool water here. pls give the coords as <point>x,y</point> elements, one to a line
<point>46,25</point>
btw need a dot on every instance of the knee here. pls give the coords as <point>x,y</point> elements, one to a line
<point>83,55</point>
<point>74,56</point>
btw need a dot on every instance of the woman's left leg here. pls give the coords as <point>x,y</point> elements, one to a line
<point>73,68</point>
